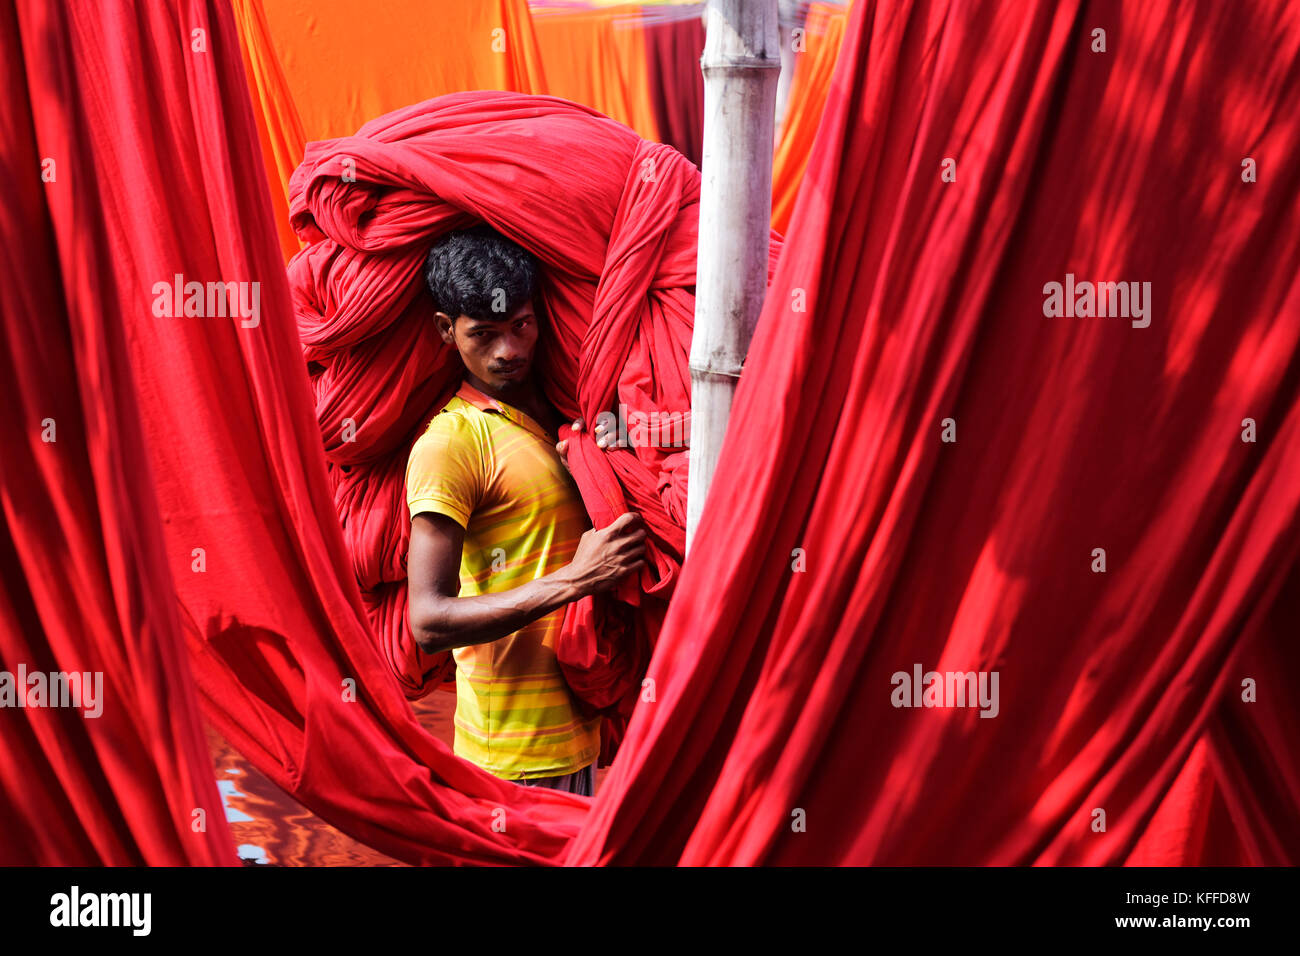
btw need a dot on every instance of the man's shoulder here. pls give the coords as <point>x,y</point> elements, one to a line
<point>458,420</point>
<point>456,435</point>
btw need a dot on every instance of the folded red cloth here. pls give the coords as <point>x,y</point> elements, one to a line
<point>613,219</point>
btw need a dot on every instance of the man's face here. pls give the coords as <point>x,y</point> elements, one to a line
<point>498,352</point>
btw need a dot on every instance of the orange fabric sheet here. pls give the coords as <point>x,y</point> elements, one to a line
<point>814,66</point>
<point>320,69</point>
<point>279,128</point>
<point>598,58</point>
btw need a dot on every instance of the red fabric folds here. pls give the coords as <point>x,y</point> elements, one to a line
<point>613,219</point>
<point>845,540</point>
<point>864,544</point>
<point>123,775</point>
<point>673,50</point>
<point>205,420</point>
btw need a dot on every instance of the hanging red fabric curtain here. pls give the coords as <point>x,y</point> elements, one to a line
<point>909,309</point>
<point>674,45</point>
<point>113,769</point>
<point>937,472</point>
<point>618,298</point>
<point>177,396</point>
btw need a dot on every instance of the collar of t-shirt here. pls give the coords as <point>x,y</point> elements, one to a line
<point>486,403</point>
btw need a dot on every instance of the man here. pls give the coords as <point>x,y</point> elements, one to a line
<point>500,541</point>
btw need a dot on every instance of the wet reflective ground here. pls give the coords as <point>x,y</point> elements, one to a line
<point>271,828</point>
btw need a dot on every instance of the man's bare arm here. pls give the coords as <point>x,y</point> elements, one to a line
<point>440,620</point>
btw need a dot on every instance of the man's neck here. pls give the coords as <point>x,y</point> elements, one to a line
<point>526,395</point>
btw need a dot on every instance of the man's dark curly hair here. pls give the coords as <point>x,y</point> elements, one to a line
<point>465,270</point>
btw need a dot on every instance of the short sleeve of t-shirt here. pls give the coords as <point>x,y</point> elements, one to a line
<point>444,473</point>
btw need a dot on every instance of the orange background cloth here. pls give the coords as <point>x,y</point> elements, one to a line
<point>598,58</point>
<point>814,67</point>
<point>317,70</point>
<point>320,69</point>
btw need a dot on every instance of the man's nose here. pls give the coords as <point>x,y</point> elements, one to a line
<point>510,352</point>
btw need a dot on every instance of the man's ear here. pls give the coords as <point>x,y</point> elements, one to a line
<point>444,322</point>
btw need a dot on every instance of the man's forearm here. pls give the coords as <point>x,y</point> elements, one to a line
<point>464,621</point>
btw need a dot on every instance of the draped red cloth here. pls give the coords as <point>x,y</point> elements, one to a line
<point>618,301</point>
<point>844,541</point>
<point>673,50</point>
<point>85,586</point>
<point>904,300</point>
<point>186,492</point>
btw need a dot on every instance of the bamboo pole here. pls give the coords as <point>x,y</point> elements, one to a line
<point>741,64</point>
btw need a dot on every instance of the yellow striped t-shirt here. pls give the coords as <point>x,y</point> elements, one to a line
<point>494,471</point>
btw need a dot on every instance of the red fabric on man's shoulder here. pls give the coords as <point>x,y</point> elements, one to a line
<point>617,307</point>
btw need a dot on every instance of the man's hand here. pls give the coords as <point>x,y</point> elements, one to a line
<point>442,620</point>
<point>604,557</point>
<point>562,446</point>
<point>606,434</point>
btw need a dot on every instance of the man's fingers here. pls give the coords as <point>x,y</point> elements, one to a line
<point>606,436</point>
<point>625,520</point>
<point>631,539</point>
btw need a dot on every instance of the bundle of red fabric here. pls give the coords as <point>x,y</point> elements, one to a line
<point>613,220</point>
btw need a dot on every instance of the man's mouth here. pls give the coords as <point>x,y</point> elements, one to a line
<point>507,370</point>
